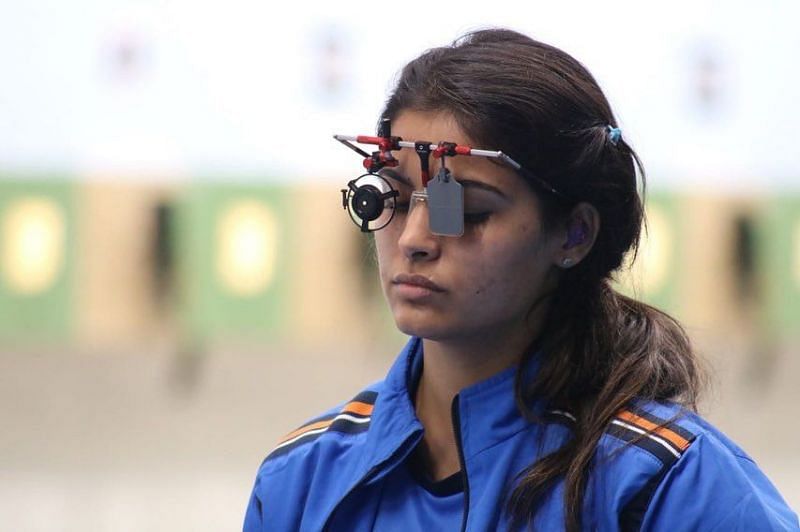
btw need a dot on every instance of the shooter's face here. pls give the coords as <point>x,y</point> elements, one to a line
<point>484,282</point>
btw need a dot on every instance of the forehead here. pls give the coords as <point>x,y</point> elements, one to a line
<point>431,126</point>
<point>439,126</point>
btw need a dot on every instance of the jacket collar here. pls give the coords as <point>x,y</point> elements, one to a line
<point>394,421</point>
<point>488,411</point>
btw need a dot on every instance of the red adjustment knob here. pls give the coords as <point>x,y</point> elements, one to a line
<point>379,160</point>
<point>451,149</point>
<point>390,143</point>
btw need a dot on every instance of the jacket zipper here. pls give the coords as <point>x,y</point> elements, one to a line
<point>455,414</point>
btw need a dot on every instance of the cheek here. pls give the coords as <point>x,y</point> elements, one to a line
<point>385,250</point>
<point>501,271</point>
<point>496,282</point>
<point>482,275</point>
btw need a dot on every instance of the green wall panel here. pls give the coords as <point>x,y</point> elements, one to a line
<point>656,276</point>
<point>37,256</point>
<point>778,249</point>
<point>233,254</point>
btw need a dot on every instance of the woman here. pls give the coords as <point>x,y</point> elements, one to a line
<point>531,394</point>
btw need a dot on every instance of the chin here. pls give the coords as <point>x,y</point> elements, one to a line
<point>417,324</point>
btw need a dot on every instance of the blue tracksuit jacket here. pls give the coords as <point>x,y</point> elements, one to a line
<point>685,475</point>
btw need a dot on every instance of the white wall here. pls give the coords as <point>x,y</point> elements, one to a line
<point>236,87</point>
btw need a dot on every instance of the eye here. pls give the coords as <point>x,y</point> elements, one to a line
<point>472,218</point>
<point>476,218</point>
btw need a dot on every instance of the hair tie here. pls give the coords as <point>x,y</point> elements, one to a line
<point>614,134</point>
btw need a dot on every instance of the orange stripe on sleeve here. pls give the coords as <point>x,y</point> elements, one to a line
<point>676,439</point>
<point>303,430</point>
<point>354,407</point>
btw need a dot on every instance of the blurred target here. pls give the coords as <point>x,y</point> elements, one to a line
<point>370,200</point>
<point>246,251</point>
<point>652,266</point>
<point>33,244</point>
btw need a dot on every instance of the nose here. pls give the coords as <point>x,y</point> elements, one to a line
<point>416,241</point>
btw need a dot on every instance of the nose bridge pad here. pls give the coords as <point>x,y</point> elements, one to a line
<point>419,197</point>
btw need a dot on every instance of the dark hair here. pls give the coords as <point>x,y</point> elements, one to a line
<point>601,350</point>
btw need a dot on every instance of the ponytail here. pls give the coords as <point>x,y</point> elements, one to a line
<point>604,351</point>
<point>601,350</point>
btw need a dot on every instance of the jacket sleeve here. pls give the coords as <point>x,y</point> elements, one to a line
<point>253,519</point>
<point>714,487</point>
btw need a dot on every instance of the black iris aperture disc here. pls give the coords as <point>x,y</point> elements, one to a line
<point>370,201</point>
<point>367,203</point>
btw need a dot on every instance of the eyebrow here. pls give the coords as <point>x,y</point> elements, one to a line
<point>464,182</point>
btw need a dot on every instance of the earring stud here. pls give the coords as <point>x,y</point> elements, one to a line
<point>566,262</point>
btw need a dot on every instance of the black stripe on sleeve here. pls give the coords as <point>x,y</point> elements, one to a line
<point>667,423</point>
<point>367,396</point>
<point>640,440</point>
<point>342,426</point>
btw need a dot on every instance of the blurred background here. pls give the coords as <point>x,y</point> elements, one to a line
<point>179,285</point>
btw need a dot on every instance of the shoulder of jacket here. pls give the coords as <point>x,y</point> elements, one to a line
<point>713,485</point>
<point>663,430</point>
<point>666,431</point>
<point>334,428</point>
<point>662,434</point>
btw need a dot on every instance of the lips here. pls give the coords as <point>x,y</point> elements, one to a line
<point>416,280</point>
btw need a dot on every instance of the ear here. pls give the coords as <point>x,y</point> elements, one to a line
<point>579,235</point>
